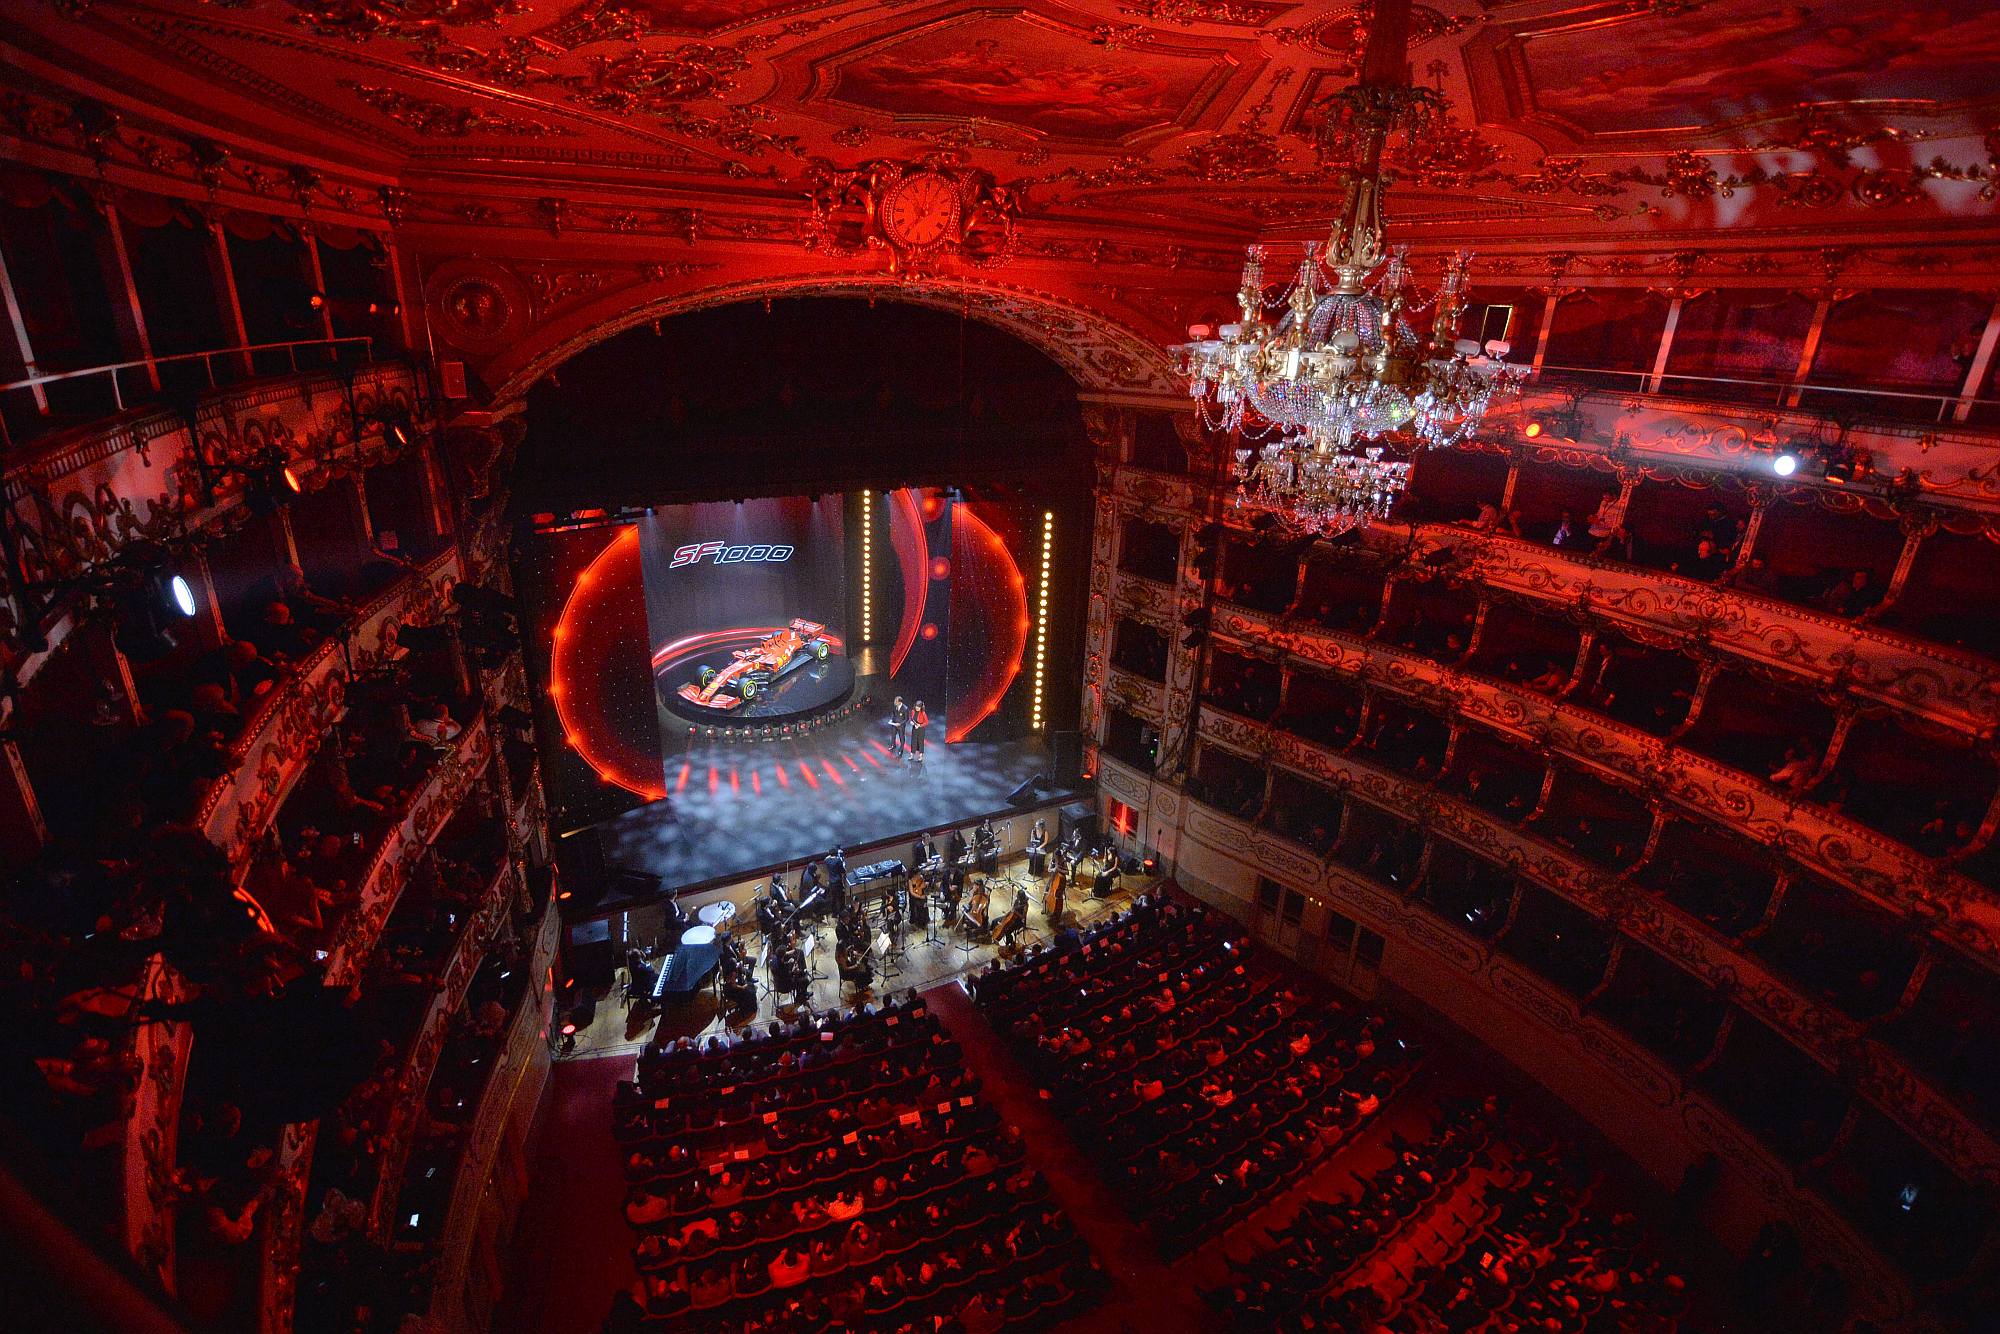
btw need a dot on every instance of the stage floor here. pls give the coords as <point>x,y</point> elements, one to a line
<point>736,808</point>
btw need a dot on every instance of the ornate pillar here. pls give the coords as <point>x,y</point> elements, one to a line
<point>1918,523</point>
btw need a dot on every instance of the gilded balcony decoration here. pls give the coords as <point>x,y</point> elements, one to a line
<point>274,750</point>
<point>1488,993</point>
<point>1833,1039</point>
<point>1844,851</point>
<point>77,498</point>
<point>454,976</point>
<point>1949,686</point>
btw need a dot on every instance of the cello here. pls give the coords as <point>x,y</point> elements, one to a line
<point>974,918</point>
<point>1058,888</point>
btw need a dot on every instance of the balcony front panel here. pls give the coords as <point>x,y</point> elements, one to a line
<point>274,750</point>
<point>1831,1038</point>
<point>1844,851</point>
<point>1520,1014</point>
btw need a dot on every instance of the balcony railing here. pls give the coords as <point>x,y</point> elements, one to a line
<point>119,385</point>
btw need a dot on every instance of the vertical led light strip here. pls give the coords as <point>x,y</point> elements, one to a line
<point>867,567</point>
<point>1042,614</point>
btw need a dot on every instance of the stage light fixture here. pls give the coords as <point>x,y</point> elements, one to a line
<point>1786,463</point>
<point>180,593</point>
<point>1532,430</point>
<point>1042,617</point>
<point>867,567</point>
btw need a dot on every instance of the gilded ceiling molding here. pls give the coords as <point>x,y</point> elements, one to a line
<point>1099,353</point>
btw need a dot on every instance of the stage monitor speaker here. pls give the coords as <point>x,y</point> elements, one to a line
<point>1078,815</point>
<point>1066,758</point>
<point>1024,795</point>
<point>589,958</point>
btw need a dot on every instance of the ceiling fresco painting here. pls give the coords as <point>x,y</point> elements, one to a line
<point>1668,70</point>
<point>1019,72</point>
<point>694,140</point>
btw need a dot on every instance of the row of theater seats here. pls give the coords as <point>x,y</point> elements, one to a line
<point>836,1172</point>
<point>1481,1225</point>
<point>1203,1083</point>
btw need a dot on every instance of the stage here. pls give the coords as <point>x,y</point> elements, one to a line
<point>734,809</point>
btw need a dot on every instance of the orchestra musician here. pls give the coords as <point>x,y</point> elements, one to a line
<point>925,853</point>
<point>954,889</point>
<point>1106,881</point>
<point>920,907</point>
<point>1038,848</point>
<point>1055,896</point>
<point>739,979</point>
<point>773,908</point>
<point>986,843</point>
<point>1016,919</point>
<point>955,849</point>
<point>974,919</point>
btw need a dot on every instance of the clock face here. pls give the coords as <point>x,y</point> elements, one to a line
<point>920,211</point>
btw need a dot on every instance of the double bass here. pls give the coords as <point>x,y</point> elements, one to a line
<point>1053,897</point>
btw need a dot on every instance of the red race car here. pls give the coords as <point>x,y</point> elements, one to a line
<point>756,667</point>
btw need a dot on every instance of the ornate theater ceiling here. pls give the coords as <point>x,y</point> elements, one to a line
<point>1677,141</point>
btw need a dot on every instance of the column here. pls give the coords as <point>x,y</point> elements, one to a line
<point>226,298</point>
<point>1808,350</point>
<point>22,346</point>
<point>316,275</point>
<point>22,831</point>
<point>1982,362</point>
<point>1666,347</point>
<point>130,315</point>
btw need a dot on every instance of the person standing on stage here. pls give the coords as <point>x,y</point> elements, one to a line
<point>836,880</point>
<point>919,720</point>
<point>899,725</point>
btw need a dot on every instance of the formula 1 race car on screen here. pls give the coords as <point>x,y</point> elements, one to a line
<point>755,668</point>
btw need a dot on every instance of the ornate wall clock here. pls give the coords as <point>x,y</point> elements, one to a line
<point>920,212</point>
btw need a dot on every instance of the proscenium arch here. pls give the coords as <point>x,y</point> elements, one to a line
<point>1100,354</point>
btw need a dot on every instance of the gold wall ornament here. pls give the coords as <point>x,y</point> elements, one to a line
<point>920,212</point>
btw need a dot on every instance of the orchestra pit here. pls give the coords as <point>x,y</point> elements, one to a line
<point>813,667</point>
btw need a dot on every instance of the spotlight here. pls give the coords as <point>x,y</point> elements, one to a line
<point>290,476</point>
<point>1785,464</point>
<point>180,594</point>
<point>1840,471</point>
<point>1532,430</point>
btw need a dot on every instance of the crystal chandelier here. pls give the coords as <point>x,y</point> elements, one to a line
<point>1341,365</point>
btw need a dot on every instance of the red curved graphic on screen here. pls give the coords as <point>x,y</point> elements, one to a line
<point>906,536</point>
<point>1002,596</point>
<point>607,585</point>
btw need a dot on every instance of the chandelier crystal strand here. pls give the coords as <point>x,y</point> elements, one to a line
<point>1341,374</point>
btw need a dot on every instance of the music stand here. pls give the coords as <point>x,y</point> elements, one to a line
<point>890,953</point>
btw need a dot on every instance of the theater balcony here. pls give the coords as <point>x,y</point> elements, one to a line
<point>1685,800</point>
<point>263,831</point>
